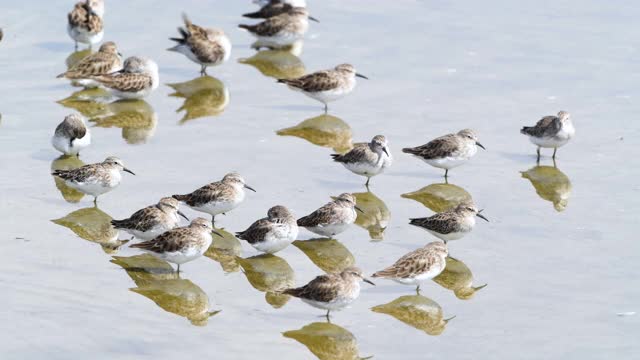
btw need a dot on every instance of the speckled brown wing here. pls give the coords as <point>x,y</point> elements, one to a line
<point>126,82</point>
<point>322,216</point>
<point>412,264</point>
<point>205,194</point>
<point>80,17</point>
<point>79,175</point>
<point>315,82</point>
<point>205,50</point>
<point>434,149</point>
<point>546,127</point>
<point>70,131</point>
<point>256,232</point>
<point>270,26</point>
<point>359,153</point>
<point>95,64</point>
<point>270,10</point>
<point>443,223</point>
<point>170,241</point>
<point>142,220</point>
<point>322,288</point>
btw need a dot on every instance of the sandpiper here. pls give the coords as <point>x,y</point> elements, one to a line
<point>551,132</point>
<point>105,61</point>
<point>327,85</point>
<point>137,79</point>
<point>331,291</point>
<point>218,197</point>
<point>417,266</point>
<point>181,245</point>
<point>332,218</point>
<point>270,9</point>
<point>85,22</point>
<point>452,224</point>
<point>301,3</point>
<point>273,233</point>
<point>95,179</point>
<point>367,159</point>
<point>282,30</point>
<point>204,46</point>
<point>152,221</point>
<point>71,135</point>
<point>448,151</point>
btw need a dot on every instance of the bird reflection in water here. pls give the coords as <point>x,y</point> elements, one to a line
<point>203,96</point>
<point>458,278</point>
<point>417,311</point>
<point>65,162</point>
<point>88,102</point>
<point>324,130</point>
<point>375,214</point>
<point>225,250</point>
<point>439,197</point>
<point>327,341</point>
<point>94,225</point>
<point>327,254</point>
<point>156,280</point>
<point>278,64</point>
<point>136,118</point>
<point>269,274</point>
<point>551,184</point>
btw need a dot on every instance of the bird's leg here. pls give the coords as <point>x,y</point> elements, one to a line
<point>327,316</point>
<point>538,151</point>
<point>178,269</point>
<point>76,45</point>
<point>95,200</point>
<point>418,290</point>
<point>554,153</point>
<point>367,183</point>
<point>446,173</point>
<point>213,219</point>
<point>326,108</point>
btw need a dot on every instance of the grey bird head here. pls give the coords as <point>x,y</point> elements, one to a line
<point>350,70</point>
<point>75,120</point>
<point>349,199</point>
<point>204,224</point>
<point>109,48</point>
<point>379,144</point>
<point>439,246</point>
<point>117,163</point>
<point>564,115</point>
<point>235,180</point>
<point>469,207</point>
<point>354,273</point>
<point>171,204</point>
<point>470,135</point>
<point>139,65</point>
<point>279,212</point>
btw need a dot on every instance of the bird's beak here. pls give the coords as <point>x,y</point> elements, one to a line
<point>174,48</point>
<point>313,19</point>
<point>477,143</point>
<point>385,151</point>
<point>362,76</point>
<point>482,216</point>
<point>358,209</point>
<point>119,54</point>
<point>368,281</point>
<point>183,215</point>
<point>217,233</point>
<point>129,171</point>
<point>249,187</point>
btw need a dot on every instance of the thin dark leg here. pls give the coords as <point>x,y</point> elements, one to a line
<point>213,219</point>
<point>76,46</point>
<point>367,183</point>
<point>446,173</point>
<point>327,316</point>
<point>95,200</point>
<point>538,151</point>
<point>554,153</point>
<point>326,108</point>
<point>178,268</point>
<point>418,290</point>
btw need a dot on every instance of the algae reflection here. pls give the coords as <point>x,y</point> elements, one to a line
<point>330,255</point>
<point>225,250</point>
<point>551,184</point>
<point>375,214</point>
<point>417,311</point>
<point>156,280</point>
<point>269,274</point>
<point>136,118</point>
<point>324,130</point>
<point>327,341</point>
<point>94,225</point>
<point>66,162</point>
<point>439,197</point>
<point>458,278</point>
<point>203,96</point>
<point>277,64</point>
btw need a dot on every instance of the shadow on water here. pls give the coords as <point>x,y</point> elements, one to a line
<point>458,278</point>
<point>327,341</point>
<point>269,274</point>
<point>65,162</point>
<point>323,130</point>
<point>327,254</point>
<point>225,250</point>
<point>439,197</point>
<point>94,225</point>
<point>550,184</point>
<point>417,311</point>
<point>203,96</point>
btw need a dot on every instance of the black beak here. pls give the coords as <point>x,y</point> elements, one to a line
<point>362,76</point>
<point>368,281</point>
<point>313,19</point>
<point>249,187</point>
<point>482,216</point>
<point>477,143</point>
<point>183,215</point>
<point>119,54</point>
<point>217,233</point>
<point>385,151</point>
<point>358,209</point>
<point>129,171</point>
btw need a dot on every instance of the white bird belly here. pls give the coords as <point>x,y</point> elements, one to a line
<point>447,162</point>
<point>329,230</point>
<point>364,169</point>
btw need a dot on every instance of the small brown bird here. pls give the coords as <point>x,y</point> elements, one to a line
<point>85,22</point>
<point>273,8</point>
<point>105,61</point>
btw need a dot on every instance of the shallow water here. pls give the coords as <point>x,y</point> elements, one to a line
<point>559,257</point>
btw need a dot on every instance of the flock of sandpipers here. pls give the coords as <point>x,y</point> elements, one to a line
<point>284,22</point>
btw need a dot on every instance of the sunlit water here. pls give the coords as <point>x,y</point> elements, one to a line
<point>559,256</point>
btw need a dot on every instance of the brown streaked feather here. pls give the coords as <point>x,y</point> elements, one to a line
<point>142,220</point>
<point>212,192</point>
<point>256,232</point>
<point>360,152</point>
<point>270,10</point>
<point>443,146</point>
<point>82,174</point>
<point>270,26</point>
<point>315,82</point>
<point>324,288</point>
<point>95,64</point>
<point>80,17</point>
<point>71,130</point>
<point>412,264</point>
<point>170,241</point>
<point>548,126</point>
<point>206,50</point>
<point>129,82</point>
<point>442,223</point>
<point>323,216</point>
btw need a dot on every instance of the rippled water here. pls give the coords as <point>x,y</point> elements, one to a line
<point>559,255</point>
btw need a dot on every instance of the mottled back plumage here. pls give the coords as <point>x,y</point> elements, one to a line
<point>417,262</point>
<point>100,63</point>
<point>274,8</point>
<point>548,126</point>
<point>327,214</point>
<point>84,18</point>
<point>176,239</point>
